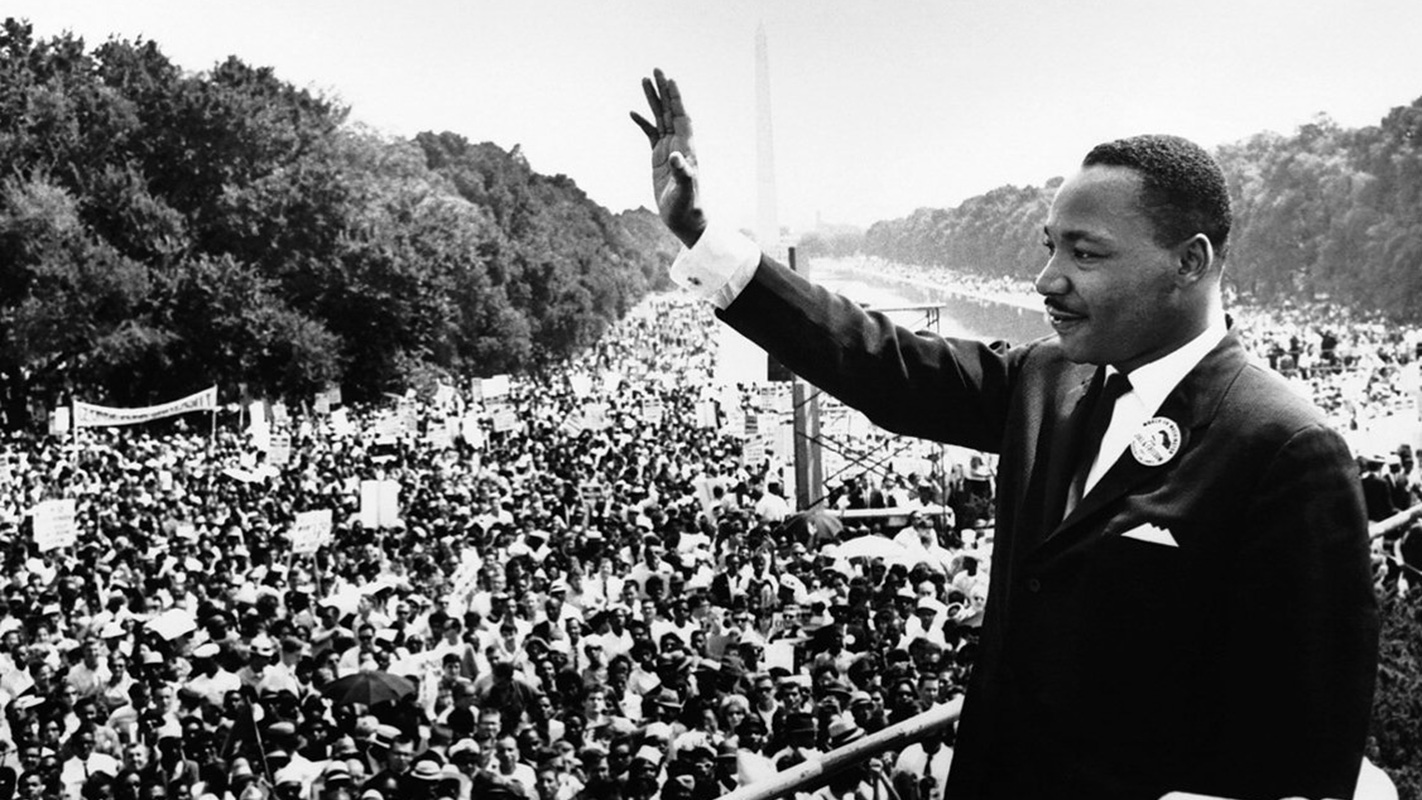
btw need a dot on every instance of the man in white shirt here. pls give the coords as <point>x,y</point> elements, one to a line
<point>920,538</point>
<point>84,763</point>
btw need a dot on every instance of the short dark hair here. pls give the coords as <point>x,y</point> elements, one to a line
<point>1182,186</point>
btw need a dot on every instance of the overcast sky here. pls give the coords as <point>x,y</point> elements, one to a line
<point>880,107</point>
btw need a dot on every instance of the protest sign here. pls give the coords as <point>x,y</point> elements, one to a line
<point>582,385</point>
<point>311,531</point>
<point>279,453</point>
<point>261,438</point>
<point>341,423</point>
<point>441,437</point>
<point>505,419</point>
<point>779,654</point>
<point>379,503</point>
<point>754,452</point>
<point>595,417</point>
<point>59,421</point>
<point>497,386</point>
<point>572,425</point>
<point>706,414</point>
<point>54,524</point>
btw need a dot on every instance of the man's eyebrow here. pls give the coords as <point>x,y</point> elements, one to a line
<point>1077,235</point>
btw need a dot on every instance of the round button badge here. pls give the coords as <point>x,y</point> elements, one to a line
<point>1156,442</point>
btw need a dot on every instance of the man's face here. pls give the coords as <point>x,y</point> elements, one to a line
<point>508,752</point>
<point>928,690</point>
<point>547,784</point>
<point>1111,292</point>
<point>618,758</point>
<point>137,756</point>
<point>490,723</point>
<point>400,756</point>
<point>595,704</point>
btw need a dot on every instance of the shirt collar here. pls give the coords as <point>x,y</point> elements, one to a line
<point>1152,383</point>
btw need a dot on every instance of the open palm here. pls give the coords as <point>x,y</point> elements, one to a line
<point>673,158</point>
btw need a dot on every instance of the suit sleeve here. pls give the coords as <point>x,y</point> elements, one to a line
<point>916,384</point>
<point>1299,648</point>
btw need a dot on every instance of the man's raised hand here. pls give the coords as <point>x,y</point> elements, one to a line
<point>673,158</point>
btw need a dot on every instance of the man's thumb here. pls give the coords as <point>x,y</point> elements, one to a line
<point>682,168</point>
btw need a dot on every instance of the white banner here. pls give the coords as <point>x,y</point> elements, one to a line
<point>88,415</point>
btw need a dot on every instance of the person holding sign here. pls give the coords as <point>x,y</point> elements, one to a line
<point>1180,595</point>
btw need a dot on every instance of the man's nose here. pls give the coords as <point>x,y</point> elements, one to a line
<point>1051,281</point>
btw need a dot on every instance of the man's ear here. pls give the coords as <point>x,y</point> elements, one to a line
<point>1197,259</point>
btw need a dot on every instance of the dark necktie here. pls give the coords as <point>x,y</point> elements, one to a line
<point>927,783</point>
<point>1089,442</point>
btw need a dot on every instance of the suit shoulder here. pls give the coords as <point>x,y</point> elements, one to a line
<point>1263,386</point>
<point>1043,363</point>
<point>1274,407</point>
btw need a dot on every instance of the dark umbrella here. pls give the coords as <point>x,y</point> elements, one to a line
<point>814,528</point>
<point>368,687</point>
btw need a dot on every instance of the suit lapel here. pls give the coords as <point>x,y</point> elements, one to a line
<point>1052,468</point>
<point>1191,405</point>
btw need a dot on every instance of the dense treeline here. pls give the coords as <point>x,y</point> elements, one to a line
<point>161,231</point>
<point>1326,211</point>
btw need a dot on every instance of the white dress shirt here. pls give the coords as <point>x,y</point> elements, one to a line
<point>1150,385</point>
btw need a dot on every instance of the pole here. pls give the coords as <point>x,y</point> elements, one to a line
<point>809,470</point>
<point>790,781</point>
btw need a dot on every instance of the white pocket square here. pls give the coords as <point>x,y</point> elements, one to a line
<point>1151,533</point>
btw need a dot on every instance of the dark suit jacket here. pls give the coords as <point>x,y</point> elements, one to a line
<point>1238,663</point>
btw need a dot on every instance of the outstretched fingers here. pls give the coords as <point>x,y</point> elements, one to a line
<point>647,127</point>
<point>667,116</point>
<point>677,120</point>
<point>663,108</point>
<point>654,97</point>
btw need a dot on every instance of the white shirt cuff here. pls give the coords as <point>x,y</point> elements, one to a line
<point>719,267</point>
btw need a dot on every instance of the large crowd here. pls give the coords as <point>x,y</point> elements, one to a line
<point>593,586</point>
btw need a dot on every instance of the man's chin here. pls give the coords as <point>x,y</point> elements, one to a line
<point>1078,351</point>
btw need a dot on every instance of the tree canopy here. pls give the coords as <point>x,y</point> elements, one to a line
<point>162,230</point>
<point>1324,212</point>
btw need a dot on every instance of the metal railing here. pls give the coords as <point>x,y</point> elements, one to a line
<point>1401,519</point>
<point>797,778</point>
